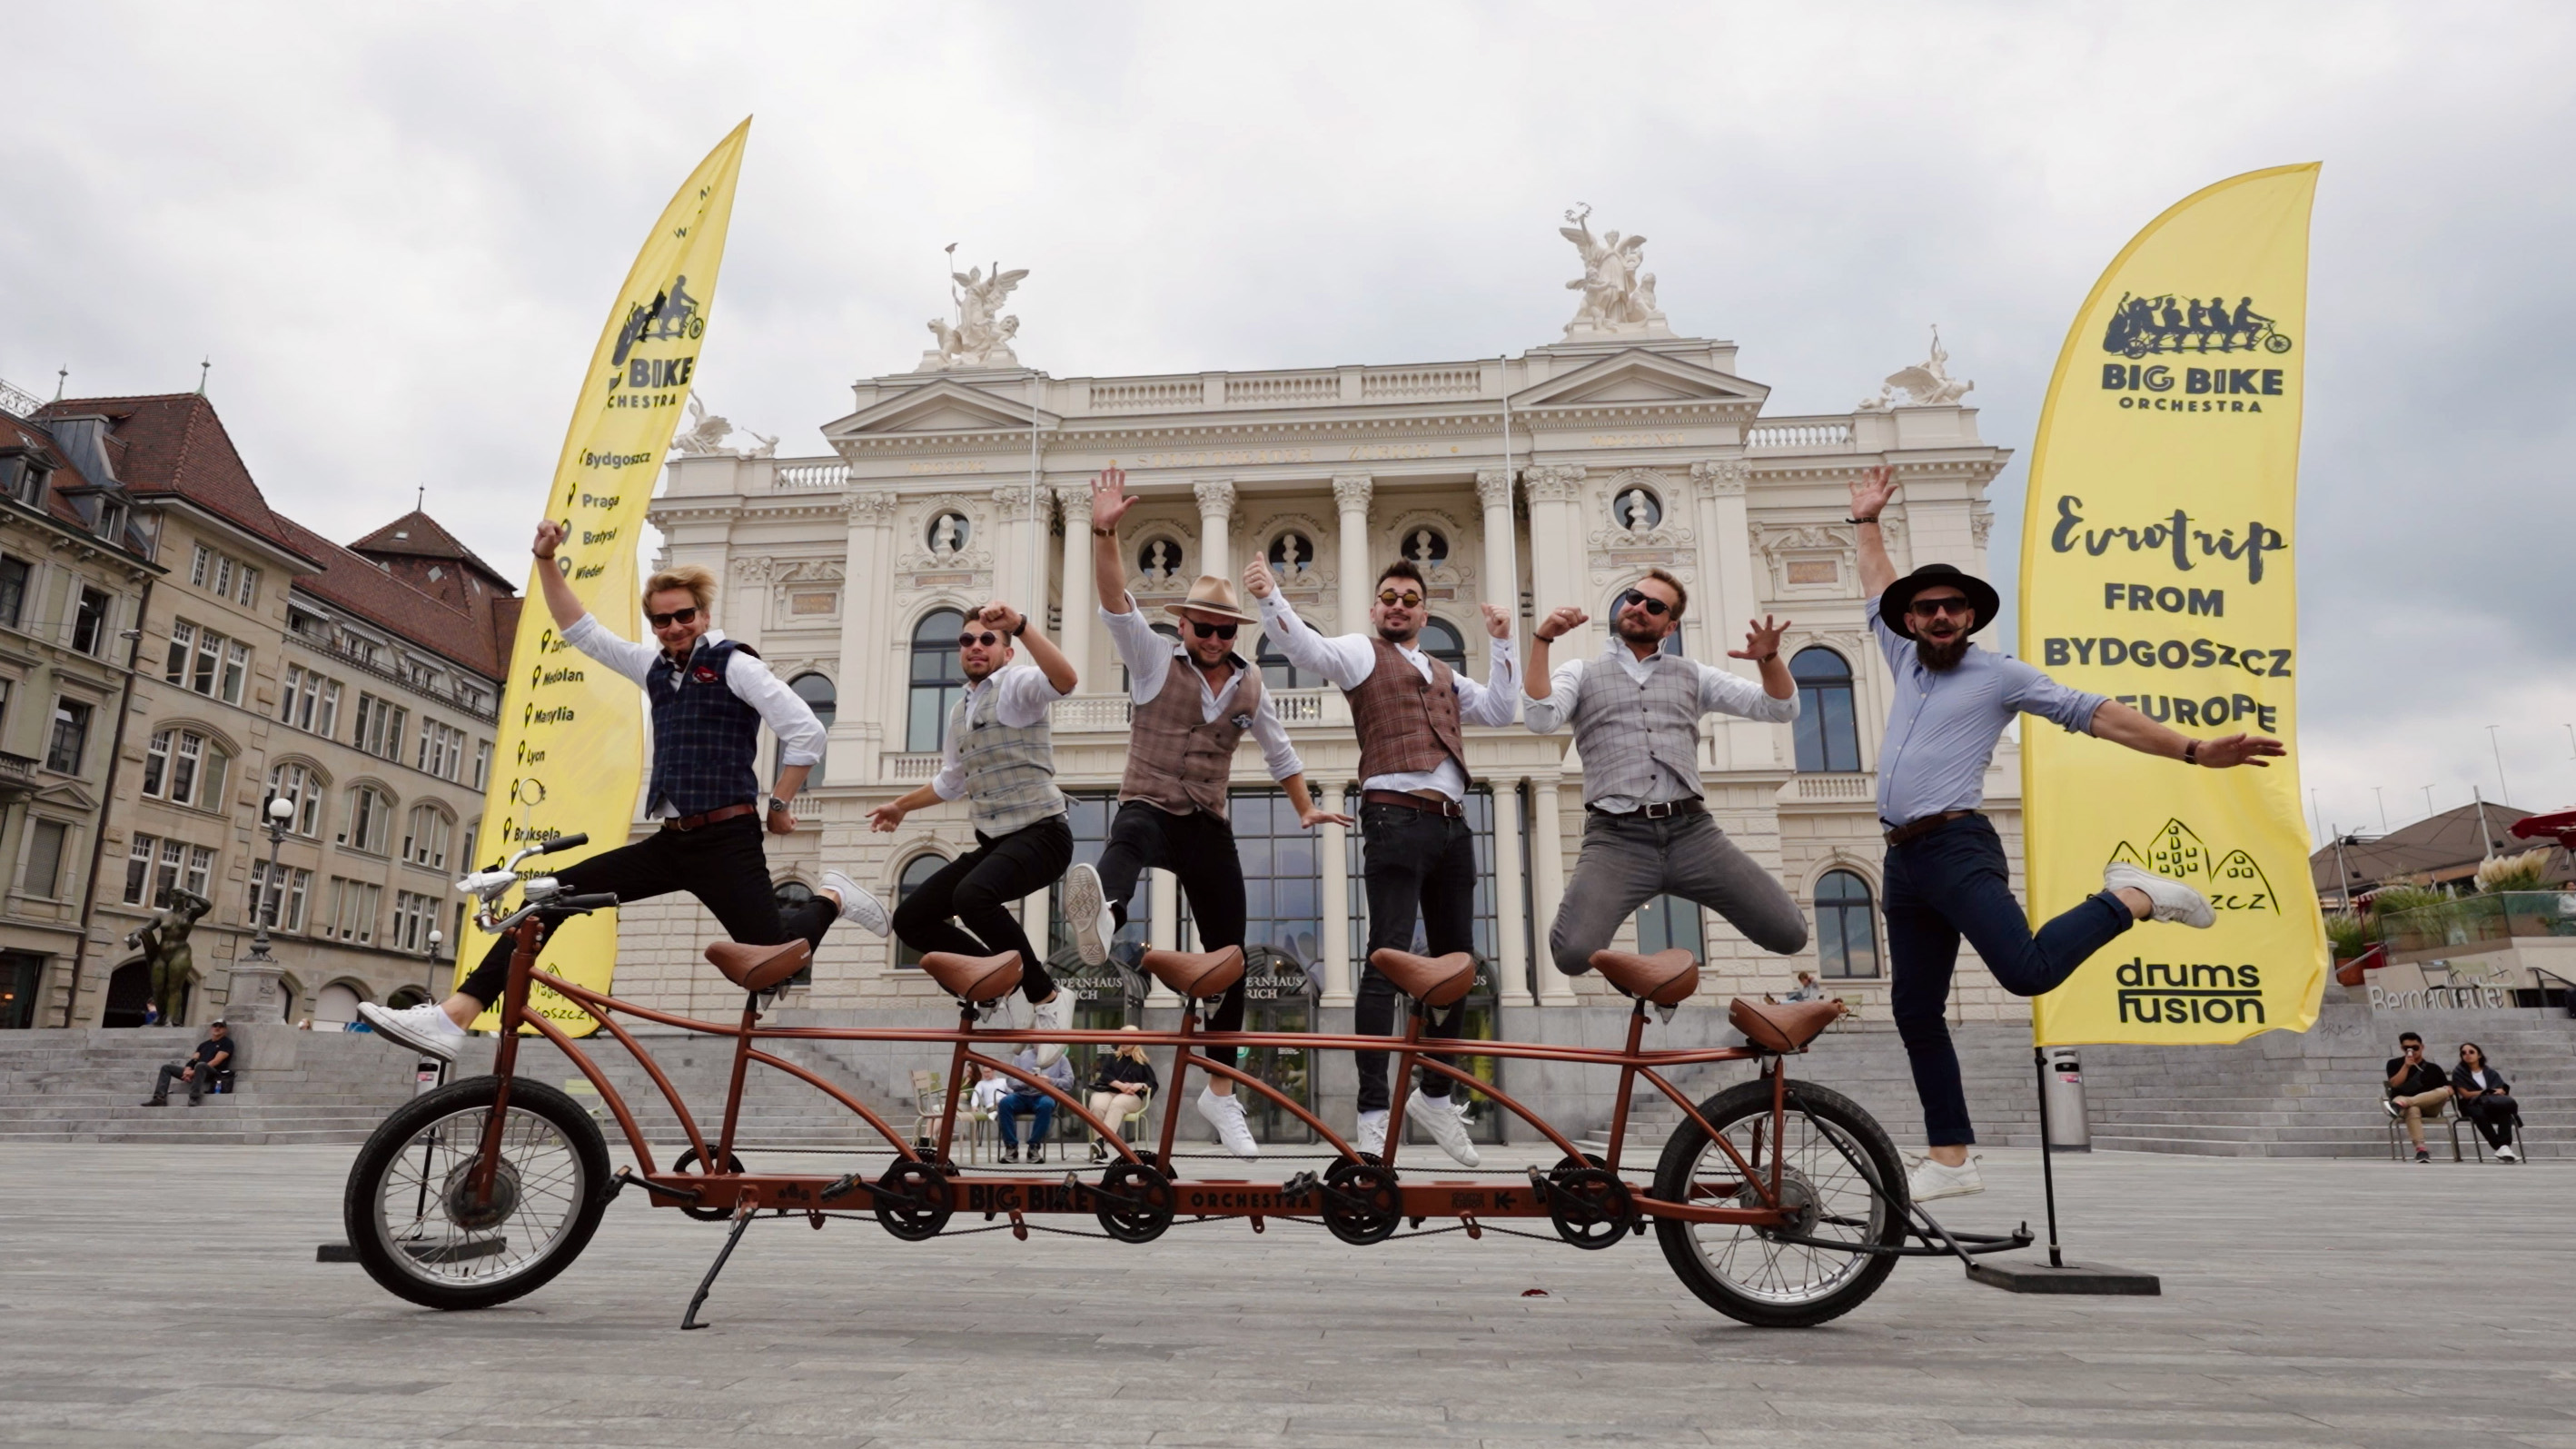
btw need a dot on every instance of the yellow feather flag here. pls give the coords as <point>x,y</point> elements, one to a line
<point>2156,568</point>
<point>570,755</point>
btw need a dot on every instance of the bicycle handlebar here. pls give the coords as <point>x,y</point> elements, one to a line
<point>564,842</point>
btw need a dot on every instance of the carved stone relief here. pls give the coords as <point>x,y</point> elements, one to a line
<point>1430,537</point>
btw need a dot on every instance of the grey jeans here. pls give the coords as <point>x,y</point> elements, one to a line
<point>1629,860</point>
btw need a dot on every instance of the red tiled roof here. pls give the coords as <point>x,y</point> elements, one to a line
<point>66,473</point>
<point>174,443</point>
<point>460,628</point>
<point>418,535</point>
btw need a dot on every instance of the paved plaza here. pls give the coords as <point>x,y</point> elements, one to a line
<point>168,1296</point>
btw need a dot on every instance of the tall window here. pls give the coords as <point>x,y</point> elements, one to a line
<point>819,696</point>
<point>1846,927</point>
<point>1278,673</point>
<point>1828,737</point>
<point>300,786</point>
<point>46,842</point>
<point>916,870</point>
<point>185,768</point>
<point>207,662</point>
<point>371,820</point>
<point>442,750</point>
<point>1442,641</point>
<point>310,701</point>
<point>1669,921</point>
<point>380,727</point>
<point>353,909</point>
<point>426,835</point>
<point>937,678</point>
<point>278,901</point>
<point>89,622</point>
<point>415,916</point>
<point>482,762</point>
<point>13,591</point>
<point>69,739</point>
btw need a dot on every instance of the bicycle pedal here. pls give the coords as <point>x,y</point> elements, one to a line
<point>843,1187</point>
<point>1300,1185</point>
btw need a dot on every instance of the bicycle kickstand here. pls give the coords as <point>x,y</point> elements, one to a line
<point>741,1220</point>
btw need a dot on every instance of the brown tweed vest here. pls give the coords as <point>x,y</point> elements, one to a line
<point>1178,762</point>
<point>1407,725</point>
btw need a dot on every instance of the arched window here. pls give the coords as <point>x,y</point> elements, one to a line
<point>302,786</point>
<point>1828,735</point>
<point>426,835</point>
<point>1669,921</point>
<point>370,820</point>
<point>916,870</point>
<point>1442,641</point>
<point>820,697</point>
<point>937,678</point>
<point>1278,673</point>
<point>1846,927</point>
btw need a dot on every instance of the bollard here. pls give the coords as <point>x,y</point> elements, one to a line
<point>2063,1081</point>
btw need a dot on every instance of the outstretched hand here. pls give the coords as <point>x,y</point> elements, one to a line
<point>1314,815</point>
<point>886,818</point>
<point>2256,750</point>
<point>1761,640</point>
<point>1871,491</point>
<point>1109,497</point>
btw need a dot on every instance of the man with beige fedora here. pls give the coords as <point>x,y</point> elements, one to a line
<point>1195,699</point>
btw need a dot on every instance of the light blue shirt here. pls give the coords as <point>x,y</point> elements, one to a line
<point>1942,731</point>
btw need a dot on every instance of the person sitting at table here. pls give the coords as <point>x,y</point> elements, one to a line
<point>1019,1099</point>
<point>1120,1086</point>
<point>2486,1099</point>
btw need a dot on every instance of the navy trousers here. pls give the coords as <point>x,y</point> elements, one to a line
<point>1954,882</point>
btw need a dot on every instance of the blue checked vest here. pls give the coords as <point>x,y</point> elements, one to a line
<point>1010,770</point>
<point>1637,738</point>
<point>704,739</point>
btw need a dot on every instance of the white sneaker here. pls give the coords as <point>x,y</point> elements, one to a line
<point>1225,1114</point>
<point>1086,914</point>
<point>859,905</point>
<point>1372,1135</point>
<point>1053,1014</point>
<point>423,1028</point>
<point>1932,1180</point>
<point>1441,1118</point>
<point>2503,1154</point>
<point>2171,899</point>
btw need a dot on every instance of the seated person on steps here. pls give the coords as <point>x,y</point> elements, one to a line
<point>211,1059</point>
<point>709,698</point>
<point>1119,1087</point>
<point>1019,1099</point>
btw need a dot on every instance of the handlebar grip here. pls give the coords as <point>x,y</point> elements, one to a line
<point>565,842</point>
<point>595,901</point>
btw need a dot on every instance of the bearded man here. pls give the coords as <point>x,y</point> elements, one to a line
<point>1946,875</point>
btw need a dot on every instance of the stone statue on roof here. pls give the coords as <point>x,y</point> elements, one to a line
<point>1927,384</point>
<point>1618,296</point>
<point>981,336</point>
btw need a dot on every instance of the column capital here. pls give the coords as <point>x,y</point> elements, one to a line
<point>1721,477</point>
<point>1553,483</point>
<point>1075,498</point>
<point>1351,491</point>
<point>1494,487</point>
<point>1216,496</point>
<point>874,507</point>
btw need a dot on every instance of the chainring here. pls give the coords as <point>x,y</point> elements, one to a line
<point>688,1158</point>
<point>1136,1181</point>
<point>1361,1204</point>
<point>914,1200</point>
<point>1591,1208</point>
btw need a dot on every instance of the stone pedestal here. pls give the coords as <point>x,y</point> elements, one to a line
<point>254,993</point>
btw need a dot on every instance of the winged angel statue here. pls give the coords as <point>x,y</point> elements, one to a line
<point>1926,384</point>
<point>706,433</point>
<point>981,337</point>
<point>1616,295</point>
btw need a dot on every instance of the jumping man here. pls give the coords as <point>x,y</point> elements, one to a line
<point>1946,874</point>
<point>1180,758</point>
<point>999,756</point>
<point>1635,712</point>
<point>1420,856</point>
<point>709,697</point>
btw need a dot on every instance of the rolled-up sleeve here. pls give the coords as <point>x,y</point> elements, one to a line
<point>1547,716</point>
<point>1278,756</point>
<point>591,637</point>
<point>800,734</point>
<point>1724,692</point>
<point>2031,692</point>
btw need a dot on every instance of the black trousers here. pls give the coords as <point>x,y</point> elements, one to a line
<point>721,864</point>
<point>1417,864</point>
<point>2495,1117</point>
<point>1198,849</point>
<point>977,889</point>
<point>171,1072</point>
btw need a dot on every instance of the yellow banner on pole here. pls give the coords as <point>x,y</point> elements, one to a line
<point>2156,568</point>
<point>570,755</point>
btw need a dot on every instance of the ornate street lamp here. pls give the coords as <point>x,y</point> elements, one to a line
<point>280,810</point>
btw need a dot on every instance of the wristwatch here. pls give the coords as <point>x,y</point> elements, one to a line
<point>1021,627</point>
<point>776,805</point>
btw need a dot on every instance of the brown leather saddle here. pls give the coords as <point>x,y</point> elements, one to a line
<point>1667,978</point>
<point>1431,980</point>
<point>1196,975</point>
<point>759,968</point>
<point>976,980</point>
<point>1782,1026</point>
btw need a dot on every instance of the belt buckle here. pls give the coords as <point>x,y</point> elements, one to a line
<point>1662,811</point>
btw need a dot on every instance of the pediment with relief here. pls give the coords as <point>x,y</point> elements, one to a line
<point>945,406</point>
<point>1639,377</point>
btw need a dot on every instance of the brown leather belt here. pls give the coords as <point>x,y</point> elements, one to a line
<point>1917,829</point>
<point>716,816</point>
<point>1423,803</point>
<point>1664,811</point>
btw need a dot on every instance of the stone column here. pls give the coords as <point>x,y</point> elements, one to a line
<point>1165,933</point>
<point>1554,987</point>
<point>1502,562</point>
<point>858,734</point>
<point>1735,586</point>
<point>1507,890</point>
<point>1080,601</point>
<point>1216,520</point>
<point>1334,842</point>
<point>1351,499</point>
<point>1556,551</point>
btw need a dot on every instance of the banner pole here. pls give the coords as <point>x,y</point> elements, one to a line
<point>2047,1164</point>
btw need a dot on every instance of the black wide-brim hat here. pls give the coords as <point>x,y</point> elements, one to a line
<point>1981,596</point>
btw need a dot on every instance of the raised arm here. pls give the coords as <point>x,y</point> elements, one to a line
<point>2123,725</point>
<point>1003,619</point>
<point>1109,503</point>
<point>560,602</point>
<point>1343,662</point>
<point>1870,493</point>
<point>1545,632</point>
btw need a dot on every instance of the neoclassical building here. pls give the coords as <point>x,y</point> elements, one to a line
<point>1555,477</point>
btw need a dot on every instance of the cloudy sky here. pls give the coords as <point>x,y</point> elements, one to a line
<point>396,232</point>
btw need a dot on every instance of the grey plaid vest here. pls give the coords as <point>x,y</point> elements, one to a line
<point>1178,762</point>
<point>1632,734</point>
<point>1010,772</point>
<point>704,739</point>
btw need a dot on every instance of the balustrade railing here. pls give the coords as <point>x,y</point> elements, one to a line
<point>1290,390</point>
<point>1403,384</point>
<point>1836,787</point>
<point>812,476</point>
<point>1775,436</point>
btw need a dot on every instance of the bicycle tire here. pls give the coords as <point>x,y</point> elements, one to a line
<point>542,1124</point>
<point>1838,1282</point>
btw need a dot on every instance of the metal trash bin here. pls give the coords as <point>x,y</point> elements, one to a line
<point>2062,1082</point>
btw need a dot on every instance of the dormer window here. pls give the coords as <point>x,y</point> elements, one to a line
<point>23,478</point>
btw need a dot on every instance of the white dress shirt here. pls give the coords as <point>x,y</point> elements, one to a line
<point>1149,657</point>
<point>1023,694</point>
<point>1347,659</point>
<point>800,734</point>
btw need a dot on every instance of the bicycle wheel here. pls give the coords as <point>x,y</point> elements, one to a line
<point>1838,1172</point>
<point>412,1214</point>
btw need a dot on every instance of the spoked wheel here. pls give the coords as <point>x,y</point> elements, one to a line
<point>1361,1204</point>
<point>687,1159</point>
<point>914,1200</point>
<point>1147,1189</point>
<point>1839,1176</point>
<point>424,1233</point>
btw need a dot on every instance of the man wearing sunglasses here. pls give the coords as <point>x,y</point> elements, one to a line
<point>709,698</point>
<point>1419,856</point>
<point>1635,712</point>
<point>1946,873</point>
<point>998,756</point>
<point>1194,701</point>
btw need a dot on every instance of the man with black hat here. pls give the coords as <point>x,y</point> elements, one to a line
<point>1193,701</point>
<point>1946,873</point>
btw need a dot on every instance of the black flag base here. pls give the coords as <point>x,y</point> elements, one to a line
<point>2091,1278</point>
